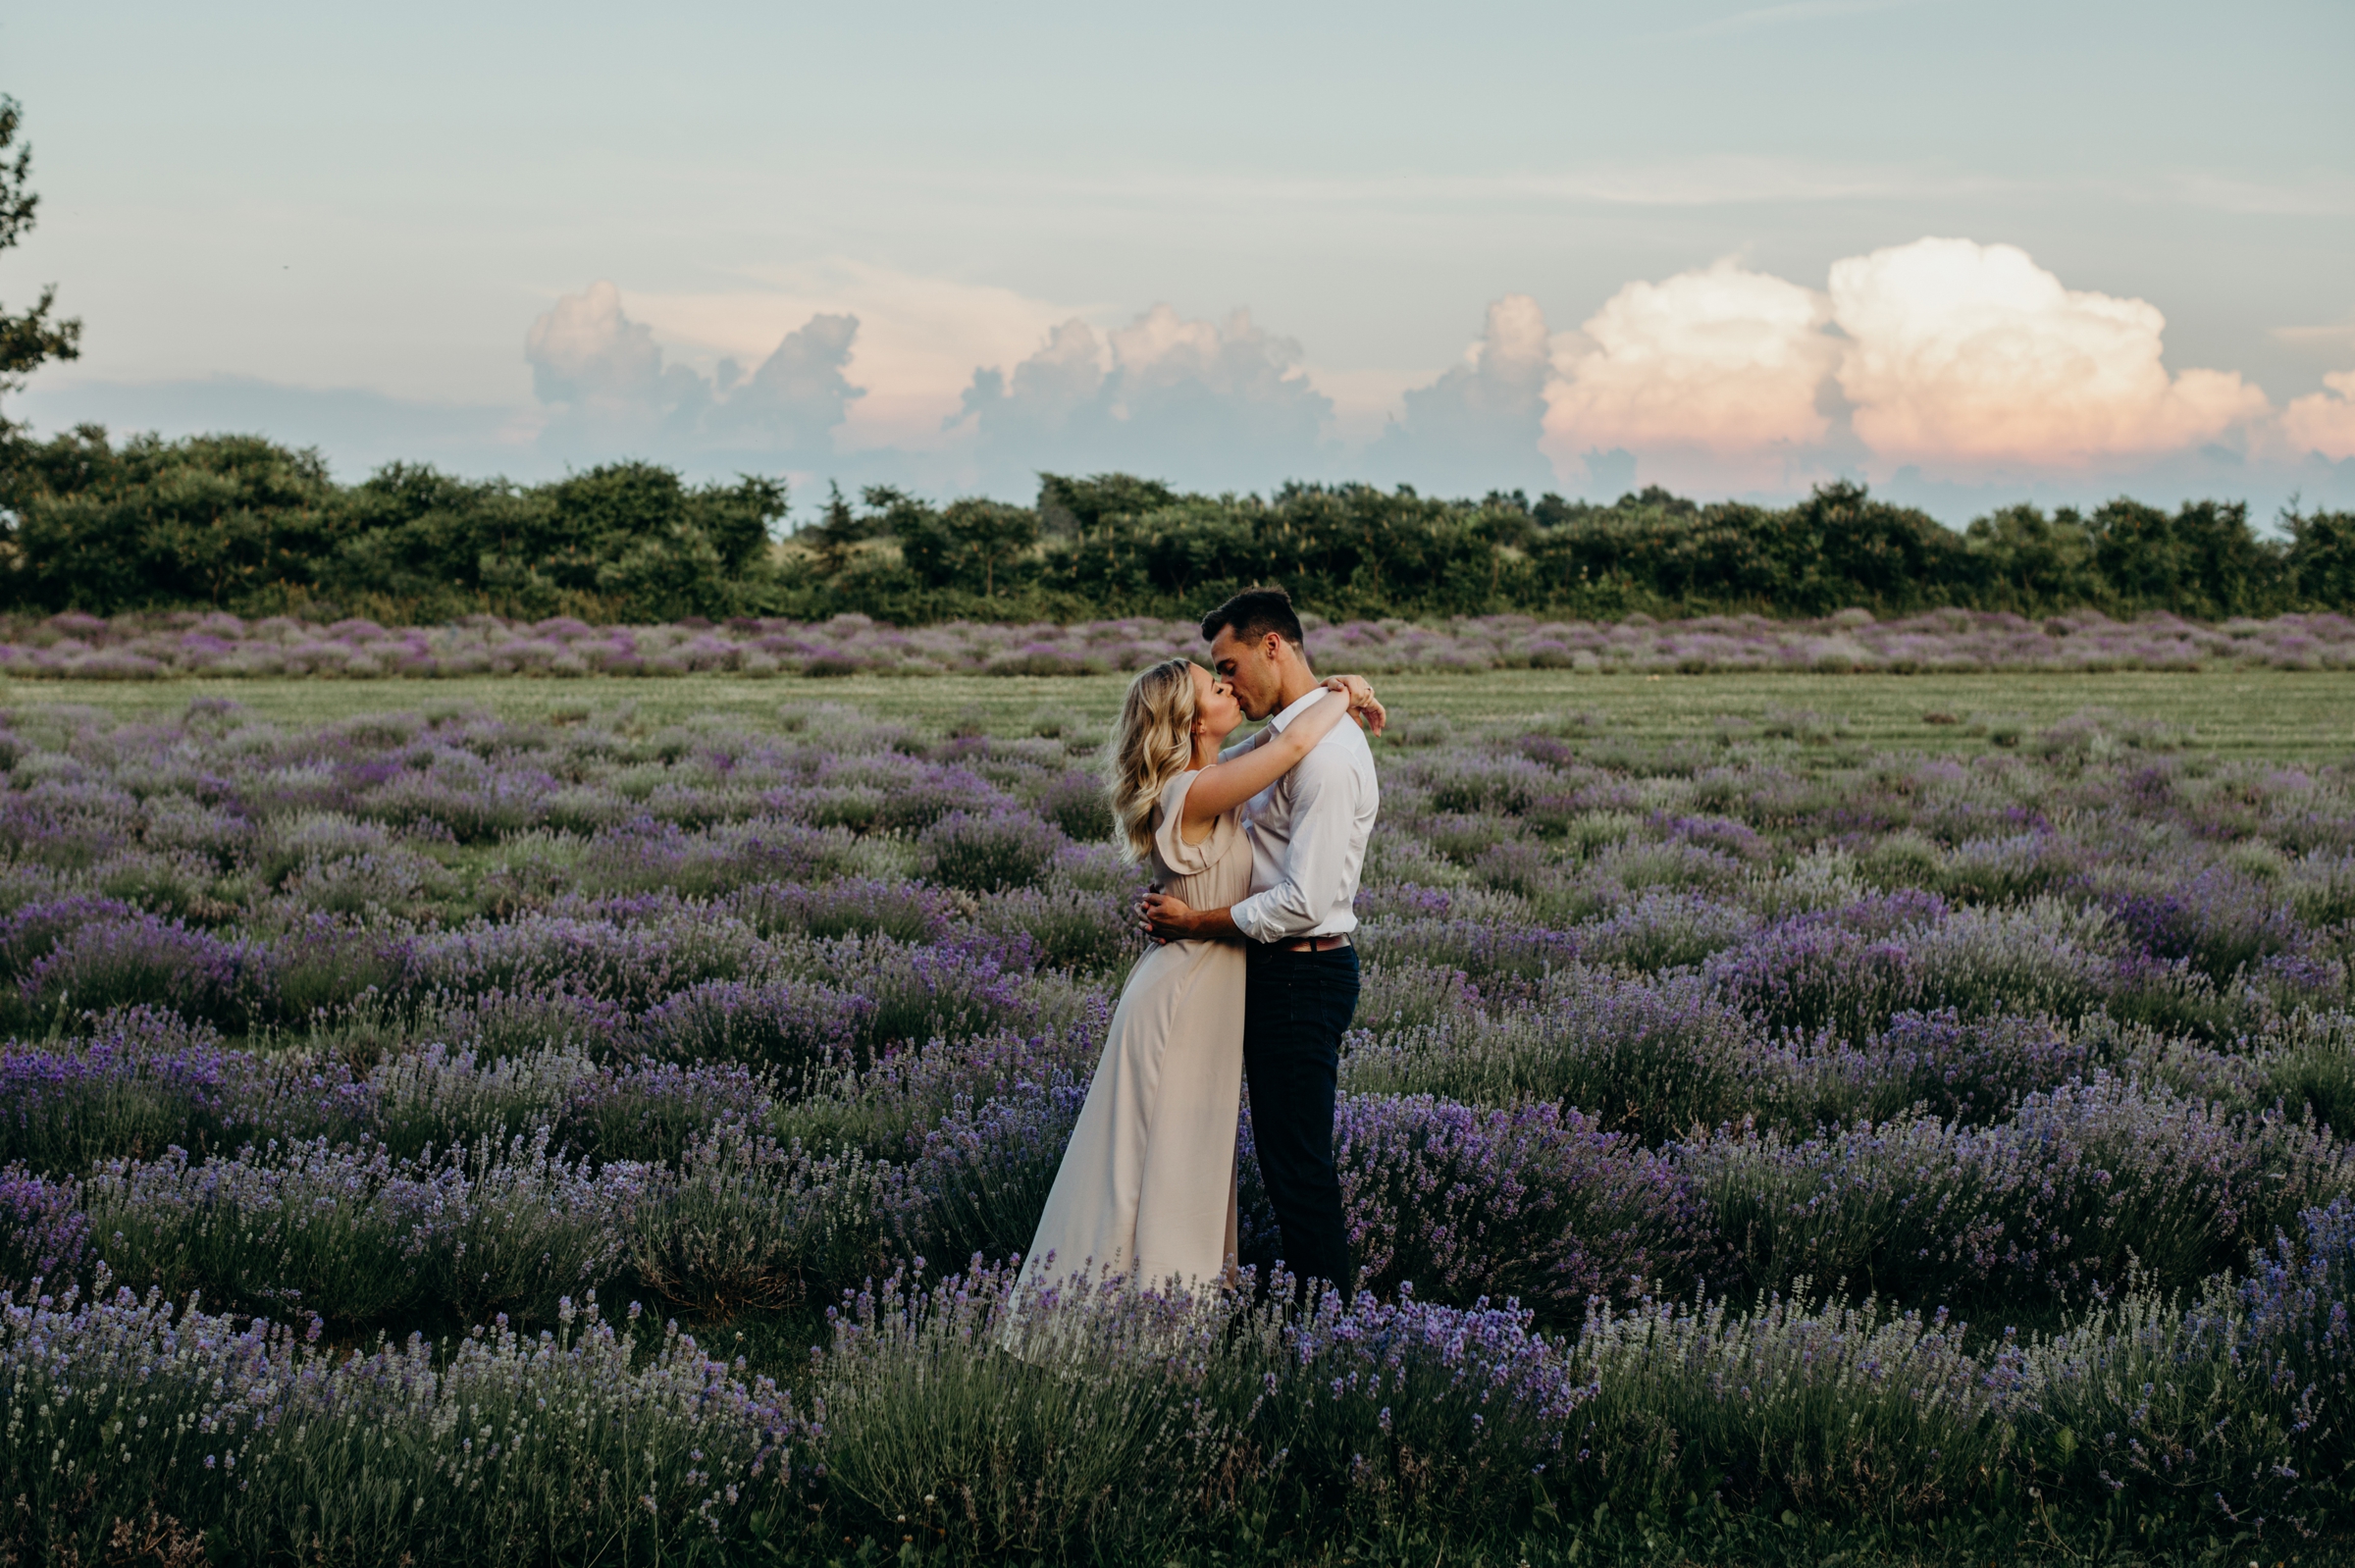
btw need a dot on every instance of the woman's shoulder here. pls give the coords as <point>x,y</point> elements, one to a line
<point>1168,838</point>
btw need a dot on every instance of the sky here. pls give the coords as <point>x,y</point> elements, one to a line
<point>1972,254</point>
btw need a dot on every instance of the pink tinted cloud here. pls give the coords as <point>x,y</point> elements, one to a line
<point>1964,356</point>
<point>2324,421</point>
<point>1713,370</point>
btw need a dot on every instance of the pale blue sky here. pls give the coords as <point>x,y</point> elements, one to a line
<point>252,204</point>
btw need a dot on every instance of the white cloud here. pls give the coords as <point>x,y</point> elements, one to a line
<point>1051,389</point>
<point>1962,356</point>
<point>1215,404</point>
<point>2321,422</point>
<point>586,353</point>
<point>918,338</point>
<point>611,394</point>
<point>1712,374</point>
<point>1161,354</point>
<point>1965,362</point>
<point>799,392</point>
<point>1476,428</point>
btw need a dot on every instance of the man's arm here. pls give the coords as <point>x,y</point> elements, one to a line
<point>1324,810</point>
<point>1169,918</point>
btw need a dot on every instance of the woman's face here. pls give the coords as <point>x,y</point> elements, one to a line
<point>1215,709</point>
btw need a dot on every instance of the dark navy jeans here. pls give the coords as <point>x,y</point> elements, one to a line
<point>1295,1010</point>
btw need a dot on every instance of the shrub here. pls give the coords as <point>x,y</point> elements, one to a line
<point>987,854</point>
<point>1533,1206</point>
<point>1167,1424</point>
<point>795,1028</point>
<point>746,1223</point>
<point>1655,1058</point>
<point>1934,1064</point>
<point>2059,1204</point>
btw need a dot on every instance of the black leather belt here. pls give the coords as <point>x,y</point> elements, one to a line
<point>1312,944</point>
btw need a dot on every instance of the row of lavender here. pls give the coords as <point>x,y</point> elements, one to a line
<point>2014,1165</point>
<point>414,1025</point>
<point>148,647</point>
<point>178,1435</point>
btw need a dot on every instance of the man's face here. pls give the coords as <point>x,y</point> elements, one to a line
<point>1249,669</point>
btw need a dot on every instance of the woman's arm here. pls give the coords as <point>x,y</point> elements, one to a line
<point>1225,785</point>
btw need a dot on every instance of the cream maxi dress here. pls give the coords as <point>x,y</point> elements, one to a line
<point>1146,1188</point>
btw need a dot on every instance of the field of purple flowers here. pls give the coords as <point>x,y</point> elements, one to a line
<point>441,1140</point>
<point>161,645</point>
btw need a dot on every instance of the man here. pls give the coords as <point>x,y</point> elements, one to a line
<point>1308,834</point>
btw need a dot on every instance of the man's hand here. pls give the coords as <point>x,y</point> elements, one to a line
<point>1165,917</point>
<point>1363,707</point>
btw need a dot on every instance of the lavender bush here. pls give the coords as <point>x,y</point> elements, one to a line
<point>134,1423</point>
<point>1124,1423</point>
<point>153,647</point>
<point>361,1237</point>
<point>1691,1085</point>
<point>1532,1206</point>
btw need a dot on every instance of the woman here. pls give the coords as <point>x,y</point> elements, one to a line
<point>1146,1189</point>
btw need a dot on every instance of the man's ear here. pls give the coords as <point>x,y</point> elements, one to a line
<point>1272,645</point>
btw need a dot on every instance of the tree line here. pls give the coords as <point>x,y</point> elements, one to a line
<point>242,524</point>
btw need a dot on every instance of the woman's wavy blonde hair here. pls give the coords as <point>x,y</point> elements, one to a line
<point>1152,745</point>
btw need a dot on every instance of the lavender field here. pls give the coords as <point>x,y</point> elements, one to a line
<point>447,1140</point>
<point>162,645</point>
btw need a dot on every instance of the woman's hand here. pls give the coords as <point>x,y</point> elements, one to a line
<point>1363,707</point>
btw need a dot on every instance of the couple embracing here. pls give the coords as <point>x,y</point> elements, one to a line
<point>1255,852</point>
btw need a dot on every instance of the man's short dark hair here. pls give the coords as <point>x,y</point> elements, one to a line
<point>1253,613</point>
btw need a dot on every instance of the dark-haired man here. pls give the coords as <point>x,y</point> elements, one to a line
<point>1308,833</point>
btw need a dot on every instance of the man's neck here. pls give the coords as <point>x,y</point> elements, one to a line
<point>1297,683</point>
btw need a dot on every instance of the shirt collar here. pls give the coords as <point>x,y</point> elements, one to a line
<point>1294,711</point>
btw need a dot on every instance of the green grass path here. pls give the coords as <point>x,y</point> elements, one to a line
<point>2252,713</point>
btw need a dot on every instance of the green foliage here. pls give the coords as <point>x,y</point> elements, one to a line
<point>2032,560</point>
<point>2202,563</point>
<point>242,524</point>
<point>2321,559</point>
<point>1113,545</point>
<point>214,520</point>
<point>29,339</point>
<point>967,543</point>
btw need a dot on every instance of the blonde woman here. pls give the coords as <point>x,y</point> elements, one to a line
<point>1146,1189</point>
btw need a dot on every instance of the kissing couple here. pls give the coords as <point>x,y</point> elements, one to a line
<point>1255,853</point>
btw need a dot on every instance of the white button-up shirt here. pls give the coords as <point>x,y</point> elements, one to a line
<point>1308,833</point>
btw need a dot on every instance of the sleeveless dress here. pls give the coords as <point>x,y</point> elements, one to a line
<point>1146,1188</point>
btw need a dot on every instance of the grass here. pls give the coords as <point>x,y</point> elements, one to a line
<point>2285,715</point>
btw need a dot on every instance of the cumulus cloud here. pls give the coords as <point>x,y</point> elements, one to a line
<point>799,392</point>
<point>920,336</point>
<point>1939,362</point>
<point>1962,355</point>
<point>2324,421</point>
<point>1956,359</point>
<point>1218,403</point>
<point>1050,390</point>
<point>610,395</point>
<point>1709,375</point>
<point>1477,427</point>
<point>604,372</point>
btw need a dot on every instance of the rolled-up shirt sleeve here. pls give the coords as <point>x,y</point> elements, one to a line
<point>1317,862</point>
